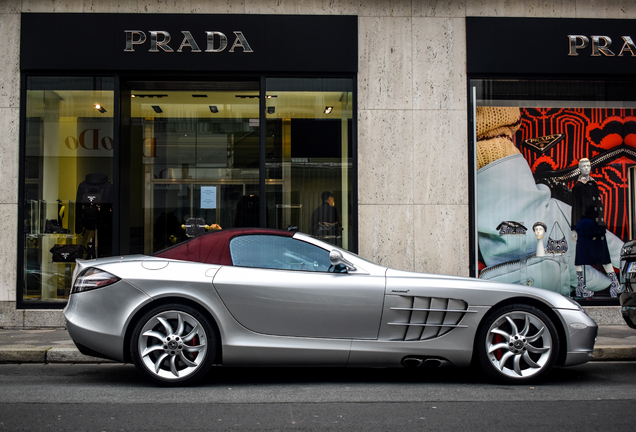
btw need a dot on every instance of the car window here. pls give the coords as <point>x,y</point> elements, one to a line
<point>276,252</point>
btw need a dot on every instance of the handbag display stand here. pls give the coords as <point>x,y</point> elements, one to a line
<point>56,274</point>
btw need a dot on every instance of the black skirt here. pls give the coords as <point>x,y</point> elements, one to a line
<point>591,246</point>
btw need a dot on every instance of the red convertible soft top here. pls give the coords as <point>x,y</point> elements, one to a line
<point>213,247</point>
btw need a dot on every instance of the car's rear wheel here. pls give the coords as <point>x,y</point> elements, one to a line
<point>517,344</point>
<point>173,345</point>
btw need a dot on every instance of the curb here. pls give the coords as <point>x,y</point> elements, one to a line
<point>72,355</point>
<point>47,355</point>
<point>614,353</point>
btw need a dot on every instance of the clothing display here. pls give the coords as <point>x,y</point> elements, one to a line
<point>591,246</point>
<point>94,214</point>
<point>547,272</point>
<point>586,199</point>
<point>506,190</point>
<point>94,194</point>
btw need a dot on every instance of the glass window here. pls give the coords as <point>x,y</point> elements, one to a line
<point>193,149</point>
<point>275,252</point>
<point>67,180</point>
<point>309,157</point>
<point>552,192</point>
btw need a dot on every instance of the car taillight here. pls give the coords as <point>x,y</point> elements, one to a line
<point>93,278</point>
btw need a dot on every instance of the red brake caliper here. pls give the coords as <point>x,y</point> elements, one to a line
<point>495,340</point>
<point>193,342</point>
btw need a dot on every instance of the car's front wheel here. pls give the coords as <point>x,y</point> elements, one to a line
<point>173,345</point>
<point>517,344</point>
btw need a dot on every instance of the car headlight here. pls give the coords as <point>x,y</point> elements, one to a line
<point>93,278</point>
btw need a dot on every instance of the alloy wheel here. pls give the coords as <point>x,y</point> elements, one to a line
<point>519,344</point>
<point>172,345</point>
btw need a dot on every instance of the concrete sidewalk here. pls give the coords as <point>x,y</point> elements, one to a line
<point>614,343</point>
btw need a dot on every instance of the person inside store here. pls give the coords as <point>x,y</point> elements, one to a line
<point>589,230</point>
<point>325,221</point>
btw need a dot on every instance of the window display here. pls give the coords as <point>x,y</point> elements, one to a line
<point>310,157</point>
<point>562,168</point>
<point>67,209</point>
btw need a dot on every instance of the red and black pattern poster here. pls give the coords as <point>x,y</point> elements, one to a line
<point>588,133</point>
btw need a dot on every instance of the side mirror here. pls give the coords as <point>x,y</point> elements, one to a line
<point>336,259</point>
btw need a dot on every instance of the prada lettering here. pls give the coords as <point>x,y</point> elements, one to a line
<point>599,45</point>
<point>160,41</point>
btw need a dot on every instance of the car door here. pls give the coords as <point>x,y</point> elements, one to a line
<point>283,286</point>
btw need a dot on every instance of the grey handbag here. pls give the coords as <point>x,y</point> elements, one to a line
<point>559,245</point>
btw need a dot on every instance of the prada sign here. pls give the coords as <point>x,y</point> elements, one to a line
<point>555,46</point>
<point>600,45</point>
<point>160,40</point>
<point>120,43</point>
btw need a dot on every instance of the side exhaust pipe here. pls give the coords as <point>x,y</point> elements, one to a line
<point>411,362</point>
<point>414,362</point>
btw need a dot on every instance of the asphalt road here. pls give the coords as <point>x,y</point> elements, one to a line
<point>597,396</point>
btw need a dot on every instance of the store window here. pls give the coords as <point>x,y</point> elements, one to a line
<point>67,180</point>
<point>309,157</point>
<point>553,197</point>
<point>191,159</point>
<point>193,153</point>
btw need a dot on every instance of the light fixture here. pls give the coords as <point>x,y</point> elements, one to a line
<point>214,109</point>
<point>99,108</point>
<point>199,95</point>
<point>157,109</point>
<point>328,109</point>
<point>270,110</point>
<point>149,95</point>
<point>254,96</point>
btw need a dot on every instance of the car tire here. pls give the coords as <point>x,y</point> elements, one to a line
<point>517,344</point>
<point>173,345</point>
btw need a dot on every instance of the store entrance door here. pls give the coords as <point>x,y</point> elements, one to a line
<point>194,156</point>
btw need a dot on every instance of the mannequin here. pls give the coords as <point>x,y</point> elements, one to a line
<point>539,229</point>
<point>589,230</point>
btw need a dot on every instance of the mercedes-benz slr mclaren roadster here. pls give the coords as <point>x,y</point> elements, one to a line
<point>260,297</point>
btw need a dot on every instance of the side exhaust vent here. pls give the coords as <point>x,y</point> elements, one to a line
<point>433,362</point>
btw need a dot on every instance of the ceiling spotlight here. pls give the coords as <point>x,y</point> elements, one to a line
<point>149,95</point>
<point>214,109</point>
<point>157,109</point>
<point>99,108</point>
<point>328,110</point>
<point>270,110</point>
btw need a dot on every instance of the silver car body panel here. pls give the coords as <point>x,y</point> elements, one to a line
<point>370,316</point>
<point>305,304</point>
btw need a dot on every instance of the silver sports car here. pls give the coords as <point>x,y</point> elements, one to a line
<point>260,297</point>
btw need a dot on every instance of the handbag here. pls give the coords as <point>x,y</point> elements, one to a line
<point>511,228</point>
<point>67,253</point>
<point>557,246</point>
<point>52,226</point>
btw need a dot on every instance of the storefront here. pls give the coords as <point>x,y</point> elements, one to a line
<point>134,139</point>
<point>554,121</point>
<point>246,113</point>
